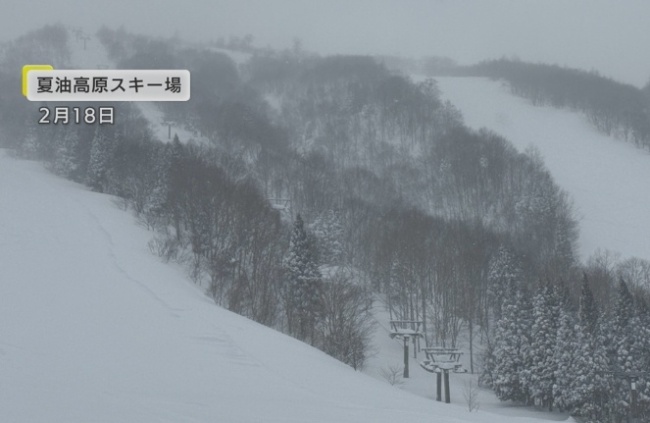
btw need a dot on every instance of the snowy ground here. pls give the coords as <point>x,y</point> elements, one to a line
<point>605,177</point>
<point>389,353</point>
<point>159,125</point>
<point>239,57</point>
<point>95,328</point>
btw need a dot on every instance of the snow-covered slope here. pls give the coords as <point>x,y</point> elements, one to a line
<point>95,328</point>
<point>606,178</point>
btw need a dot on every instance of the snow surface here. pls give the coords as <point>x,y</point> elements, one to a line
<point>388,354</point>
<point>159,125</point>
<point>605,177</point>
<point>96,329</point>
<point>239,57</point>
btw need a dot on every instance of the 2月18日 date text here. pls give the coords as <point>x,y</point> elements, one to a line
<point>87,115</point>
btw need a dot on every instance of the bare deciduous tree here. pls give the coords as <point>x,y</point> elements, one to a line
<point>471,395</point>
<point>347,322</point>
<point>392,374</point>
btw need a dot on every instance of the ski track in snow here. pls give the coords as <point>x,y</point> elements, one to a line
<point>111,253</point>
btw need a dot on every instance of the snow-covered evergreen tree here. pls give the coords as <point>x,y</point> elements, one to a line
<point>565,356</point>
<point>154,205</point>
<point>65,162</point>
<point>626,347</point>
<point>174,164</point>
<point>591,388</point>
<point>503,270</point>
<point>328,232</point>
<point>624,311</point>
<point>643,340</point>
<point>303,285</point>
<point>584,386</point>
<point>539,377</point>
<point>511,345</point>
<point>100,156</point>
<point>588,308</point>
<point>31,146</point>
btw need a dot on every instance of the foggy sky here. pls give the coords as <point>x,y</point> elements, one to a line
<point>610,36</point>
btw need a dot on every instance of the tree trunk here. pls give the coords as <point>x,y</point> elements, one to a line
<point>471,344</point>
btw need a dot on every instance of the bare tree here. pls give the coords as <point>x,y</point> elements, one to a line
<point>471,394</point>
<point>392,374</point>
<point>347,322</point>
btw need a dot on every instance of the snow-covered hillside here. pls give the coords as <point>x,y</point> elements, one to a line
<point>606,178</point>
<point>95,328</point>
<point>91,54</point>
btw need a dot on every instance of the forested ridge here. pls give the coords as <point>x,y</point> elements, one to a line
<point>611,107</point>
<point>325,180</point>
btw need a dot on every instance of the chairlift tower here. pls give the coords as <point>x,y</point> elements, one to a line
<point>441,361</point>
<point>168,124</point>
<point>633,379</point>
<point>406,329</point>
<point>85,38</point>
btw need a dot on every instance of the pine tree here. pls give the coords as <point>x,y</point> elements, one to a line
<point>328,231</point>
<point>584,386</point>
<point>100,156</point>
<point>303,285</point>
<point>627,326</point>
<point>511,345</point>
<point>565,357</point>
<point>174,167</point>
<point>65,154</point>
<point>643,341</point>
<point>154,206</point>
<point>31,147</point>
<point>590,386</point>
<point>624,306</point>
<point>539,377</point>
<point>503,270</point>
<point>626,349</point>
<point>588,308</point>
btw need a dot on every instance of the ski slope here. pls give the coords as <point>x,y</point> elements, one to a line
<point>606,178</point>
<point>96,329</point>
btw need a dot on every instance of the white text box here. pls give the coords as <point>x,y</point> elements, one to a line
<point>108,85</point>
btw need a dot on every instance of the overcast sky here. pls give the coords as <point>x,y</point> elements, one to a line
<point>610,36</point>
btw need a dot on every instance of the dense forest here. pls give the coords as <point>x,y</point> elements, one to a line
<point>316,184</point>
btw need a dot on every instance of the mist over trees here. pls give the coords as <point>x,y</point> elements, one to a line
<point>613,108</point>
<point>46,45</point>
<point>323,181</point>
